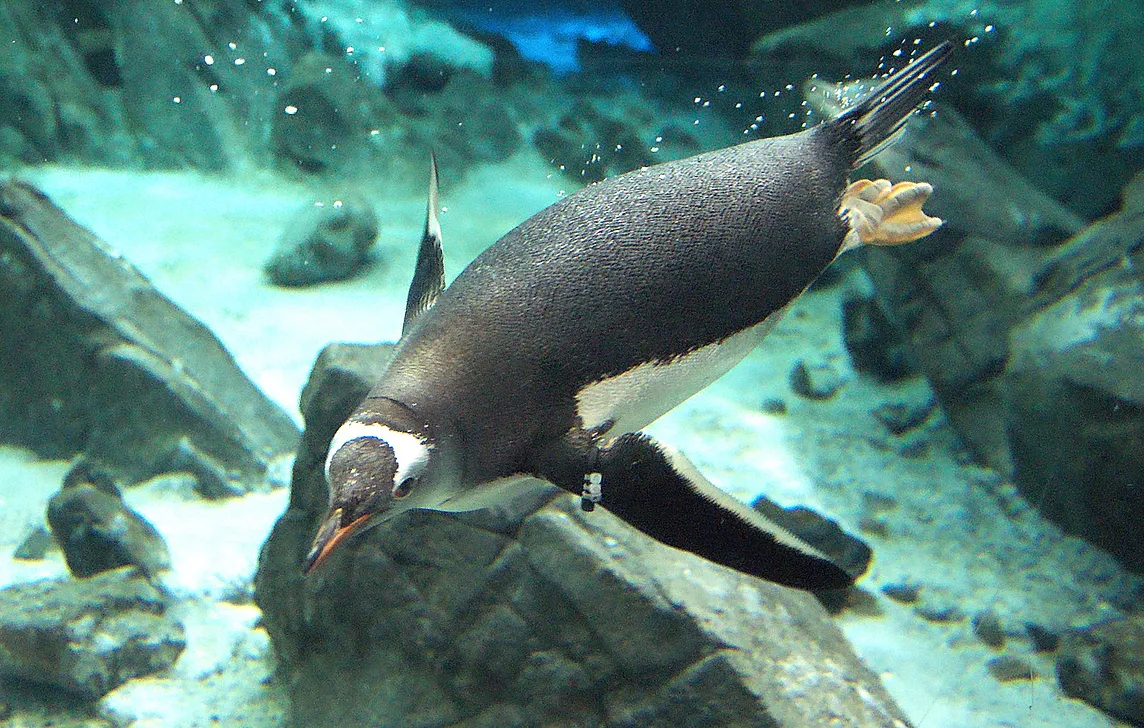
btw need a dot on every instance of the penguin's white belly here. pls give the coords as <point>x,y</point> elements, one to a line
<point>636,398</point>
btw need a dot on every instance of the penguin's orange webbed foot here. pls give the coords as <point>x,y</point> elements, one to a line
<point>879,213</point>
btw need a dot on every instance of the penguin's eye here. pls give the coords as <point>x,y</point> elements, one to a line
<point>402,490</point>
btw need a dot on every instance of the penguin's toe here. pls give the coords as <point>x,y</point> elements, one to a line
<point>879,213</point>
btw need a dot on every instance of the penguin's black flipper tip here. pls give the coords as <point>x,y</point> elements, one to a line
<point>658,491</point>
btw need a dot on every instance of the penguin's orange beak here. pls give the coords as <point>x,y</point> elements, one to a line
<point>329,537</point>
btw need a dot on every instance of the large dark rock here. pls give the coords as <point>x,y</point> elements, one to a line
<point>324,241</point>
<point>207,85</point>
<point>1072,393</point>
<point>185,111</point>
<point>98,532</point>
<point>96,361</point>
<point>138,83</point>
<point>326,116</point>
<point>1028,329</point>
<point>89,636</point>
<point>534,613</point>
<point>956,294</point>
<point>1061,99</point>
<point>51,105</point>
<point>1103,665</point>
<point>603,137</point>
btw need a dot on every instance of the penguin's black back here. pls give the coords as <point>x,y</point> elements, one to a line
<point>658,262</point>
<point>643,267</point>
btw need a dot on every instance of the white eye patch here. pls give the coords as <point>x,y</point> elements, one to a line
<point>410,451</point>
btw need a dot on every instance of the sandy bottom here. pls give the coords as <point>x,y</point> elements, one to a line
<point>950,528</point>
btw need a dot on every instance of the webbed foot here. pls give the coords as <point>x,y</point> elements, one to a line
<point>879,213</point>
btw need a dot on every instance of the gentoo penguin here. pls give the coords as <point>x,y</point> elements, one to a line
<point>548,354</point>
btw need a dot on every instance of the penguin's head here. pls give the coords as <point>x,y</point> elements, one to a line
<point>375,470</point>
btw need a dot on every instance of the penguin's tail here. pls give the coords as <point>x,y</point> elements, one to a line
<point>875,122</point>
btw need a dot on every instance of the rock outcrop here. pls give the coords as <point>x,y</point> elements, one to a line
<point>98,532</point>
<point>1025,321</point>
<point>1028,328</point>
<point>1103,665</point>
<point>229,84</point>
<point>96,361</point>
<point>86,636</point>
<point>325,241</point>
<point>534,613</point>
<point>1061,99</point>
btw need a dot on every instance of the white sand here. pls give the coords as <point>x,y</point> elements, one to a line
<point>202,242</point>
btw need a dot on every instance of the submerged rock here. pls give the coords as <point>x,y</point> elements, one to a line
<point>98,532</point>
<point>1008,668</point>
<point>603,137</point>
<point>211,85</point>
<point>988,629</point>
<point>817,381</point>
<point>844,549</point>
<point>1062,99</point>
<point>875,346</point>
<point>901,417</point>
<point>1072,395</point>
<point>325,241</point>
<point>86,637</point>
<point>1027,325</point>
<point>35,545</point>
<point>136,83</point>
<point>535,609</point>
<point>98,362</point>
<point>326,117</point>
<point>1103,665</point>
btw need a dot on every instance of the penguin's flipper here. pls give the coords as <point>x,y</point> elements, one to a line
<point>879,213</point>
<point>657,490</point>
<point>429,276</point>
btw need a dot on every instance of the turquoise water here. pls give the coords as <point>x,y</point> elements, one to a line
<point>965,406</point>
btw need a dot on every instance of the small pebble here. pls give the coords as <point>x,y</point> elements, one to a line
<point>988,629</point>
<point>1007,668</point>
<point>877,502</point>
<point>1044,640</point>
<point>901,417</point>
<point>34,546</point>
<point>818,381</point>
<point>874,526</point>
<point>902,593</point>
<point>773,406</point>
<point>940,613</point>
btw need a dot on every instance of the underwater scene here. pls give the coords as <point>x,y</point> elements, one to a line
<point>583,363</point>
